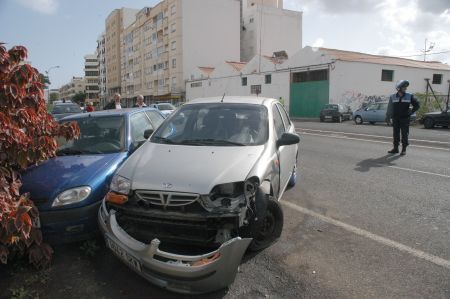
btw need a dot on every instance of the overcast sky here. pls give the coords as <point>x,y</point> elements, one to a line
<point>61,32</point>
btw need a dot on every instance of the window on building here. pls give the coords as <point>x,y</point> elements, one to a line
<point>255,89</point>
<point>174,63</point>
<point>437,78</point>
<point>196,84</point>
<point>252,20</point>
<point>173,9</point>
<point>387,75</point>
<point>174,45</point>
<point>173,28</point>
<point>166,65</point>
<point>244,81</point>
<point>174,81</point>
<point>317,75</point>
<point>268,79</point>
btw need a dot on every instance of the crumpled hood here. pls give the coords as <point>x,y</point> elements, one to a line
<point>50,178</point>
<point>195,169</point>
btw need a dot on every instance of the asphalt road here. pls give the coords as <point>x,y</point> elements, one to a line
<point>359,223</point>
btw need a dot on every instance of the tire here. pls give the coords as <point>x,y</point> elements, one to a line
<point>372,122</point>
<point>269,228</point>
<point>358,120</point>
<point>428,123</point>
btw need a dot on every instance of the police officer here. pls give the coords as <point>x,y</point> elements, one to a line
<point>399,111</point>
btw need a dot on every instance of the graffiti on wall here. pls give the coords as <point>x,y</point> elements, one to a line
<point>356,100</point>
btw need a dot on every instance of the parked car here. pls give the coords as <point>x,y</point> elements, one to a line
<point>165,108</point>
<point>433,119</point>
<point>335,112</point>
<point>185,207</point>
<point>375,113</point>
<point>68,188</point>
<point>61,110</point>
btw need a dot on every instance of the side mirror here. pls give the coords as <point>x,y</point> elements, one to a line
<point>288,139</point>
<point>148,133</point>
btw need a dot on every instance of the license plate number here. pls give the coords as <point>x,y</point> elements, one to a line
<point>36,222</point>
<point>123,255</point>
<point>327,117</point>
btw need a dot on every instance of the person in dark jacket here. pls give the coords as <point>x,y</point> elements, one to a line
<point>400,113</point>
<point>114,104</point>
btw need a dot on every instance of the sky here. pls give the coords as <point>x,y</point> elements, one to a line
<point>61,32</point>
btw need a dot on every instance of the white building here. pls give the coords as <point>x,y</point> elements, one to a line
<point>267,28</point>
<point>91,78</point>
<point>314,77</point>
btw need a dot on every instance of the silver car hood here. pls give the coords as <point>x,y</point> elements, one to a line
<point>195,169</point>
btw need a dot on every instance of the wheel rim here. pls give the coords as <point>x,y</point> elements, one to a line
<point>358,120</point>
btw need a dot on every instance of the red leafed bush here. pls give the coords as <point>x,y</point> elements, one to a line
<point>27,136</point>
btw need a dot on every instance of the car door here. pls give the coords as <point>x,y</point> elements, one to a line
<point>286,154</point>
<point>380,115</point>
<point>370,112</point>
<point>139,122</point>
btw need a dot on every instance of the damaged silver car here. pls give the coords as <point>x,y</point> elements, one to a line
<point>184,208</point>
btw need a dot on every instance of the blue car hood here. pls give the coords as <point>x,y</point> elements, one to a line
<point>45,181</point>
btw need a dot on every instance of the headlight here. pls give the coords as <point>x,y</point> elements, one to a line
<point>250,187</point>
<point>227,190</point>
<point>120,185</point>
<point>72,196</point>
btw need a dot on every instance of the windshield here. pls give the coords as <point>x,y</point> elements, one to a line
<point>166,107</point>
<point>216,124</point>
<point>98,135</point>
<point>330,107</point>
<point>61,109</point>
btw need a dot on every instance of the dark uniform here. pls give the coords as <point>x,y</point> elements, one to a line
<point>399,111</point>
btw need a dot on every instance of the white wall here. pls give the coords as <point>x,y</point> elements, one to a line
<point>279,29</point>
<point>354,82</point>
<point>211,33</point>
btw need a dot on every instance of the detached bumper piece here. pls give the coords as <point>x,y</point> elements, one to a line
<point>187,274</point>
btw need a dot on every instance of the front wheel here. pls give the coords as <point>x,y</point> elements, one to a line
<point>358,120</point>
<point>269,228</point>
<point>428,123</point>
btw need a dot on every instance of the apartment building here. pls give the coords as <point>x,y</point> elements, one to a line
<point>102,94</point>
<point>165,43</point>
<point>115,23</point>
<point>91,78</point>
<point>268,28</point>
<point>76,85</point>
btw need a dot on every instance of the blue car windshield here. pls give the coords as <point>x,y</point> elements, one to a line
<point>98,135</point>
<point>61,109</point>
<point>215,124</point>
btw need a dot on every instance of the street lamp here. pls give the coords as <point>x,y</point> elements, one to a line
<point>48,78</point>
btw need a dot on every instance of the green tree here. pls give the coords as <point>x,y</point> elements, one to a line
<point>79,98</point>
<point>53,97</point>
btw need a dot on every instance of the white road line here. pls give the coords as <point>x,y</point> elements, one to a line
<point>382,240</point>
<point>377,136</point>
<point>374,141</point>
<point>419,171</point>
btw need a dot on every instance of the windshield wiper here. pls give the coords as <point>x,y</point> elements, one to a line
<point>72,151</point>
<point>210,142</point>
<point>163,140</point>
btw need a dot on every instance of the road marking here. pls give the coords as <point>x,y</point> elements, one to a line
<point>419,171</point>
<point>377,136</point>
<point>382,240</point>
<point>374,141</point>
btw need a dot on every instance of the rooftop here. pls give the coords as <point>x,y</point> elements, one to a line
<point>380,59</point>
<point>238,66</point>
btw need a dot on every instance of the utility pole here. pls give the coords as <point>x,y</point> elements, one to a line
<point>425,50</point>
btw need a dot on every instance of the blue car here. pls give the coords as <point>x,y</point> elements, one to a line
<point>68,188</point>
<point>374,113</point>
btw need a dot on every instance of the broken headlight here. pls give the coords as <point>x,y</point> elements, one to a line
<point>227,195</point>
<point>250,187</point>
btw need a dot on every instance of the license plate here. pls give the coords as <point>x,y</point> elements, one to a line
<point>327,117</point>
<point>36,222</point>
<point>123,255</point>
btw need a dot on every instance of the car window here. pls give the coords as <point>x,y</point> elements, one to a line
<point>383,106</point>
<point>60,109</point>
<point>98,135</point>
<point>330,107</point>
<point>284,115</point>
<point>139,123</point>
<point>155,117</point>
<point>372,107</point>
<point>215,124</point>
<point>277,122</point>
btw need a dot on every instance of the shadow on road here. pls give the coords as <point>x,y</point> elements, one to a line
<point>366,165</point>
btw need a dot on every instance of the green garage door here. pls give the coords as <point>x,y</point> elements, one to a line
<point>309,93</point>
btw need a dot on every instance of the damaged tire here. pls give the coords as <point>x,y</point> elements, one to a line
<point>268,228</point>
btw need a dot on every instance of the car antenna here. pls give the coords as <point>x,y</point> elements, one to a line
<point>222,98</point>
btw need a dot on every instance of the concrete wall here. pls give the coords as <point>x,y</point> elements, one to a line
<point>211,33</point>
<point>355,82</point>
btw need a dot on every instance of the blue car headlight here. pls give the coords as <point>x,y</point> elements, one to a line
<point>72,196</point>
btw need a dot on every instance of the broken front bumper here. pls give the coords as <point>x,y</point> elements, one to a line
<point>179,273</point>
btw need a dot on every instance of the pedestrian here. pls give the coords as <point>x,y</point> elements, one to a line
<point>400,113</point>
<point>90,107</point>
<point>114,103</point>
<point>140,102</point>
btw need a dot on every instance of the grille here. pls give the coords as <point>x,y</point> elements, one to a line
<point>166,199</point>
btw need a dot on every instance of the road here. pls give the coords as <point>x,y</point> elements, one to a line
<point>359,223</point>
